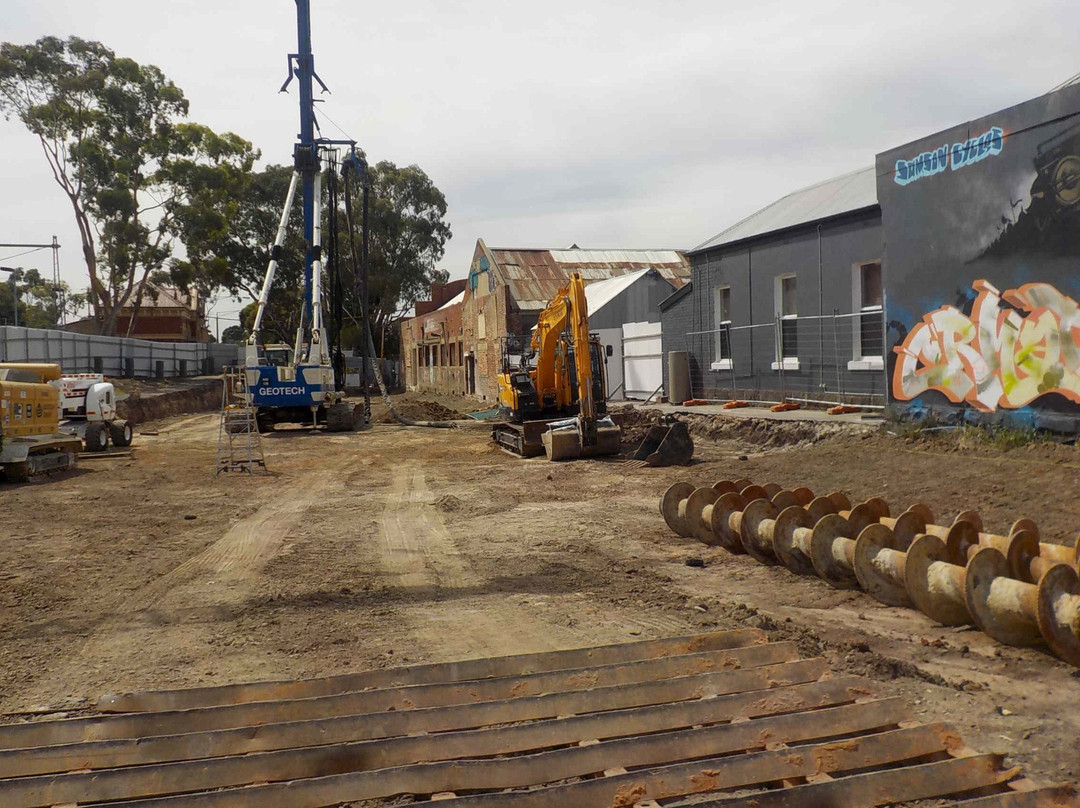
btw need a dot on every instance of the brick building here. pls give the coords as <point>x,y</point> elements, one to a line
<point>432,342</point>
<point>457,348</point>
<point>165,315</point>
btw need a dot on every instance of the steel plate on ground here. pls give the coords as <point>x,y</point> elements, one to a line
<point>713,719</point>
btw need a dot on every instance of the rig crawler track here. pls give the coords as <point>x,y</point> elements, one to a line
<point>717,718</point>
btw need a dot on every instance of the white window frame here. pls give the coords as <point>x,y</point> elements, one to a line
<point>859,361</point>
<point>722,362</point>
<point>785,362</point>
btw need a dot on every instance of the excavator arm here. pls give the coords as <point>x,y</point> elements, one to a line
<point>545,345</point>
<point>579,334</point>
<point>583,436</point>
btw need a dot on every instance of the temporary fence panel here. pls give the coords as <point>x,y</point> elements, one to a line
<point>643,361</point>
<point>829,359</point>
<point>391,372</point>
<point>113,356</point>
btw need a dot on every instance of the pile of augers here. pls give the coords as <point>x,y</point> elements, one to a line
<point>1017,589</point>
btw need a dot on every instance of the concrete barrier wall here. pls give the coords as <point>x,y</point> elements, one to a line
<point>114,356</point>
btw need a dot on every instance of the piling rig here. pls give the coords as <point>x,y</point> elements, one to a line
<point>304,382</point>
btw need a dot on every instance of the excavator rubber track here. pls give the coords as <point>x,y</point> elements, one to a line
<point>521,440</point>
<point>713,719</point>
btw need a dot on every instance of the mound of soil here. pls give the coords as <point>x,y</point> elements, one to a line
<point>758,432</point>
<point>417,410</point>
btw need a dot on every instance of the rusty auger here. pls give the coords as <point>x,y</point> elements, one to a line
<point>1017,589</point>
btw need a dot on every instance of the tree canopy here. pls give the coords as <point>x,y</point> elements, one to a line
<point>40,302</point>
<point>140,178</point>
<point>408,238</point>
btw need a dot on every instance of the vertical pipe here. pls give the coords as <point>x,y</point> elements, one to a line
<point>750,307</point>
<point>884,342</point>
<point>821,312</point>
<point>365,312</point>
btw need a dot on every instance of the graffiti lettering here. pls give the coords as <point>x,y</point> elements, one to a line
<point>978,148</point>
<point>926,164</point>
<point>959,155</point>
<point>997,357</point>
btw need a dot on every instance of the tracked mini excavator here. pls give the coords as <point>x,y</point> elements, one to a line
<point>554,400</point>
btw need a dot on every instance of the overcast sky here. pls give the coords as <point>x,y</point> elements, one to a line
<point>606,124</point>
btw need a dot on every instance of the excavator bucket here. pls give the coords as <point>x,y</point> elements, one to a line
<point>563,440</point>
<point>668,443</point>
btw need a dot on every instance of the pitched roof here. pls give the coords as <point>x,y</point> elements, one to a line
<point>533,277</point>
<point>844,194</point>
<point>452,301</point>
<point>676,296</point>
<point>155,296</point>
<point>599,293</point>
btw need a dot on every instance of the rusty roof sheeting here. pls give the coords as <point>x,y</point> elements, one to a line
<point>535,276</point>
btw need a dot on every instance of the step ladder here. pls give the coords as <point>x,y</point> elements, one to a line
<point>239,441</point>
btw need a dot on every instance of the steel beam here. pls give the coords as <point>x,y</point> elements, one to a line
<point>493,667</point>
<point>142,725</point>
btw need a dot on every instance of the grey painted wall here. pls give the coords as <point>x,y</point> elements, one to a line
<point>823,285</point>
<point>638,303</point>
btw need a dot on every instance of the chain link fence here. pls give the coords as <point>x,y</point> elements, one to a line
<point>828,360</point>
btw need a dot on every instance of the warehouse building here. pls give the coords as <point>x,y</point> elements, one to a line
<point>458,348</point>
<point>942,279</point>
<point>787,303</point>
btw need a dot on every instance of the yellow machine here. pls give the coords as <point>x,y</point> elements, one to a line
<point>555,400</point>
<point>30,437</point>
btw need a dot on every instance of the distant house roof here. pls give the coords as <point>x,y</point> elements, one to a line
<point>844,194</point>
<point>533,277</point>
<point>155,296</point>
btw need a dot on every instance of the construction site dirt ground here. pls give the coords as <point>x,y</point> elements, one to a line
<point>396,545</point>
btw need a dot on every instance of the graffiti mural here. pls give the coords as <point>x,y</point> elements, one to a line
<point>1050,221</point>
<point>958,156</point>
<point>999,356</point>
<point>996,199</point>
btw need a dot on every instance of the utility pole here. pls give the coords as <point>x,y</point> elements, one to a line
<point>13,272</point>
<point>58,296</point>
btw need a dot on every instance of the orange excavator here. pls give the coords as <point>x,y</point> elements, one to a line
<point>554,400</point>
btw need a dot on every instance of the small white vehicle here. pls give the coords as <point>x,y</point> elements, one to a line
<point>88,409</point>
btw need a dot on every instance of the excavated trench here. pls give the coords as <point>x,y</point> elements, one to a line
<point>203,395</point>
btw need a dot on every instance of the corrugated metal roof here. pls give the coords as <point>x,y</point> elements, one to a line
<point>535,276</point>
<point>844,194</point>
